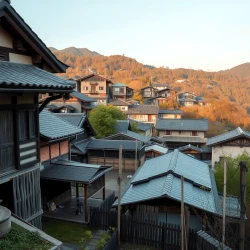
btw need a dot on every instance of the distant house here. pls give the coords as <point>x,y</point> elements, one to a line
<point>122,91</point>
<point>160,86</point>
<point>106,152</point>
<point>143,128</point>
<point>148,92</point>
<point>180,132</point>
<point>158,184</point>
<point>77,103</point>
<point>97,87</point>
<point>152,151</point>
<point>121,104</point>
<point>170,113</point>
<point>232,143</point>
<point>187,99</point>
<point>143,113</point>
<point>203,153</point>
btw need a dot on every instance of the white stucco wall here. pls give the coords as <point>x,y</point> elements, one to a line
<point>184,133</point>
<point>20,58</point>
<point>232,151</point>
<point>5,39</point>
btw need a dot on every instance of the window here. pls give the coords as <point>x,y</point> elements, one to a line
<point>194,133</point>
<point>123,108</point>
<point>181,132</point>
<point>122,90</point>
<point>93,89</point>
<point>100,88</point>
<point>117,89</point>
<point>85,88</point>
<point>168,132</point>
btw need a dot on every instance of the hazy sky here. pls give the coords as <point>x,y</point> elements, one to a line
<point>202,34</point>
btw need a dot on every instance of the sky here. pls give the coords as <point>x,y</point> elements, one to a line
<point>204,34</point>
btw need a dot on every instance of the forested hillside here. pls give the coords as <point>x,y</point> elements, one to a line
<point>220,85</point>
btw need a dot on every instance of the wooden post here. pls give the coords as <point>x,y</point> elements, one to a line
<point>103,193</point>
<point>119,180</point>
<point>86,202</point>
<point>243,169</point>
<point>224,204</point>
<point>182,214</point>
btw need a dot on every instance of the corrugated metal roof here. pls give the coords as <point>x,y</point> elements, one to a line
<point>114,144</point>
<point>71,171</point>
<point>170,111</point>
<point>30,76</point>
<point>143,109</point>
<point>160,177</point>
<point>82,97</point>
<point>52,127</point>
<point>238,132</point>
<point>186,139</point>
<point>157,148</point>
<point>182,124</point>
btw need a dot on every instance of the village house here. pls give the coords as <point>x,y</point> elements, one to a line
<point>97,87</point>
<point>59,174</point>
<point>170,113</point>
<point>26,67</point>
<point>143,113</point>
<point>145,129</point>
<point>122,91</point>
<point>121,104</point>
<point>78,103</point>
<point>106,152</point>
<point>232,143</point>
<point>180,132</point>
<point>155,150</point>
<point>186,99</point>
<point>157,184</point>
<point>160,86</point>
<point>148,92</point>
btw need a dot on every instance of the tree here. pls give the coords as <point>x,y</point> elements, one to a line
<point>103,119</point>
<point>138,97</point>
<point>134,127</point>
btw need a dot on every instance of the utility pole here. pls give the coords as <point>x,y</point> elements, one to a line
<point>119,180</point>
<point>243,170</point>
<point>224,204</point>
<point>182,214</point>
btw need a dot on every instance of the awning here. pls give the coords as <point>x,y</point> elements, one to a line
<point>71,171</point>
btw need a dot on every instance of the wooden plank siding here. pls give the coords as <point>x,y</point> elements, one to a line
<point>27,197</point>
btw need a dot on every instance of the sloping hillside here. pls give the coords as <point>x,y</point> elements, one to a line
<point>240,70</point>
<point>74,51</point>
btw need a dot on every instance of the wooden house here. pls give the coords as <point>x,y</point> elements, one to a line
<point>148,92</point>
<point>170,113</point>
<point>232,143</point>
<point>77,103</point>
<point>106,152</point>
<point>180,132</point>
<point>121,104</point>
<point>157,184</point>
<point>143,113</point>
<point>59,174</point>
<point>122,91</point>
<point>26,67</point>
<point>97,87</point>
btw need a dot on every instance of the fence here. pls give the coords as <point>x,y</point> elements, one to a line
<point>112,243</point>
<point>108,202</point>
<point>142,231</point>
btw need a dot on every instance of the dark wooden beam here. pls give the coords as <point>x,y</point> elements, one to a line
<point>86,202</point>
<point>36,59</point>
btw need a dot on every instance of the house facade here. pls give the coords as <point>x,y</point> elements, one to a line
<point>143,113</point>
<point>170,113</point>
<point>121,104</point>
<point>232,143</point>
<point>26,65</point>
<point>186,99</point>
<point>97,87</point>
<point>180,132</point>
<point>121,91</point>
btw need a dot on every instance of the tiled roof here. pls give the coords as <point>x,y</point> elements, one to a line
<point>122,126</point>
<point>72,118</point>
<point>236,133</point>
<point>141,126</point>
<point>114,144</point>
<point>119,102</point>
<point>72,171</point>
<point>82,145</point>
<point>52,127</point>
<point>61,67</point>
<point>182,124</point>
<point>93,74</point>
<point>157,148</point>
<point>138,137</point>
<point>143,109</point>
<point>170,111</point>
<point>119,84</point>
<point>189,146</point>
<point>160,177</point>
<point>82,97</point>
<point>29,76</point>
<point>186,139</point>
